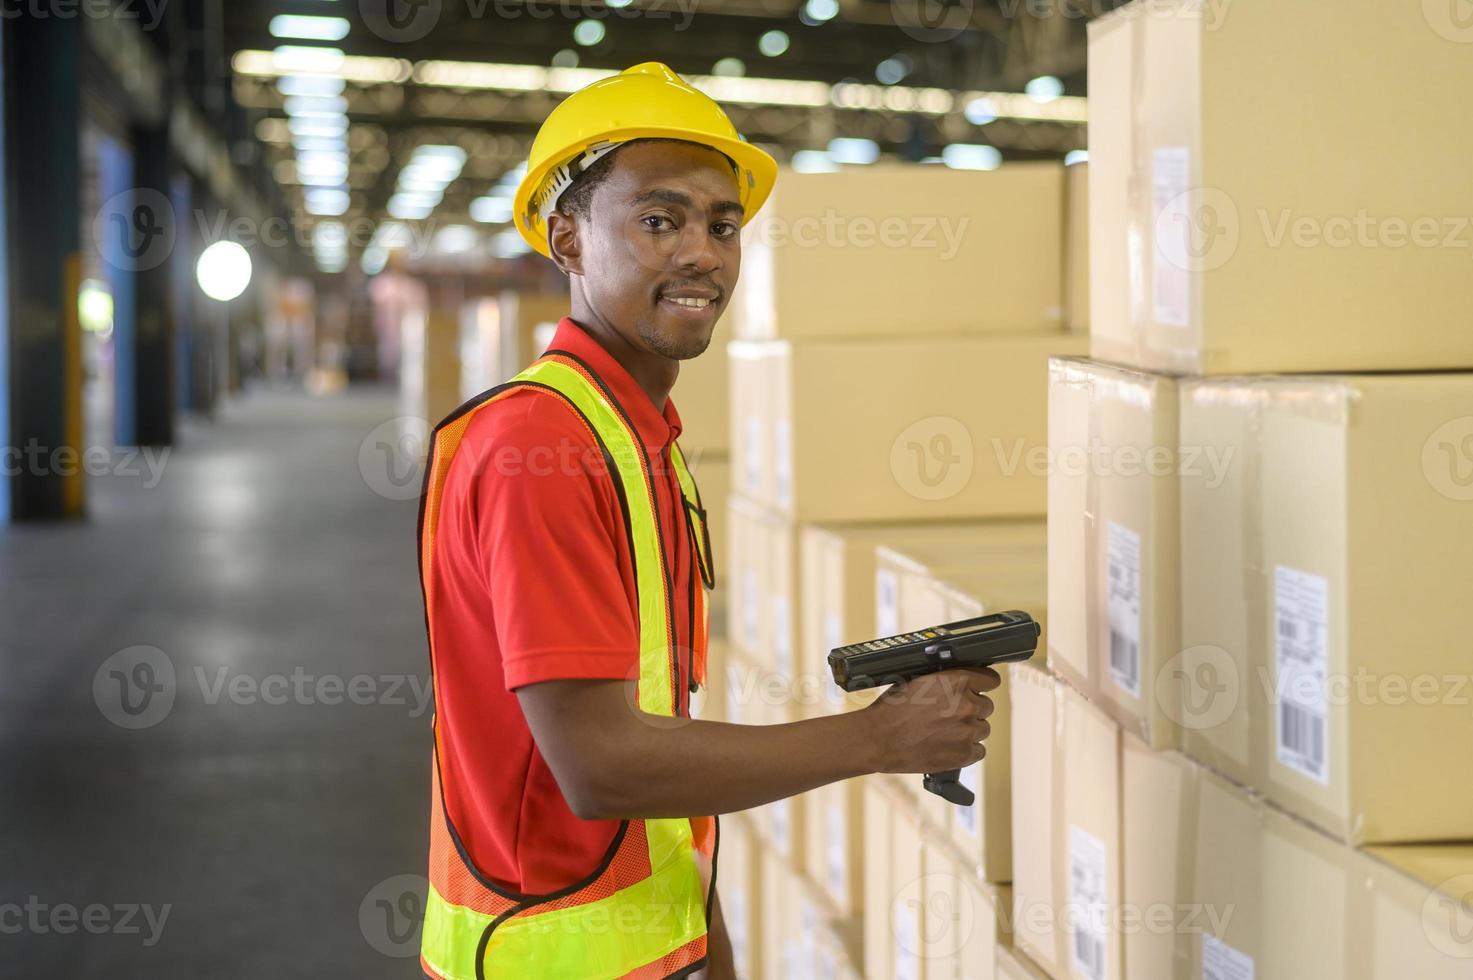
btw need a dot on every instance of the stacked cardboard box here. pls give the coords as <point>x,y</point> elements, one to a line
<point>1258,615</point>
<point>883,447</point>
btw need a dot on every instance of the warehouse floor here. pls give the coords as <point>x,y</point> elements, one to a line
<point>262,552</point>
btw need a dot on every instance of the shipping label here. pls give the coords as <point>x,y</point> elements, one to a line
<point>1302,667</point>
<point>1123,605</point>
<point>1221,962</point>
<point>1088,909</point>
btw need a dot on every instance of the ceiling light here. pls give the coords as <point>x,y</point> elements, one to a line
<point>309,28</point>
<point>302,58</point>
<point>980,112</point>
<point>819,11</point>
<point>773,43</point>
<point>491,210</point>
<point>729,68</point>
<point>971,156</point>
<point>1076,156</point>
<point>310,85</point>
<point>589,32</point>
<point>1044,88</point>
<point>813,162</point>
<point>566,58</point>
<point>848,149</point>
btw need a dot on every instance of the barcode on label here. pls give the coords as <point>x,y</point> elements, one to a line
<point>1303,734</point>
<point>1089,955</point>
<point>1125,660</point>
<point>1287,629</point>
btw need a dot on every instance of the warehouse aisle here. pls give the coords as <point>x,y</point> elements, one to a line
<point>287,778</point>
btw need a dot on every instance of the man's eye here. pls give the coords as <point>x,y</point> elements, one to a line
<point>724,229</point>
<point>657,222</point>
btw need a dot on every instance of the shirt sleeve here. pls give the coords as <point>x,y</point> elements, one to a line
<point>552,549</point>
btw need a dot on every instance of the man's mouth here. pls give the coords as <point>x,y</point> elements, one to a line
<point>694,302</point>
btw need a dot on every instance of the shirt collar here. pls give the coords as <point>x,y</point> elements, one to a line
<point>656,430</point>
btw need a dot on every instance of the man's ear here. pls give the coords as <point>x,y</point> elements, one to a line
<point>562,242</point>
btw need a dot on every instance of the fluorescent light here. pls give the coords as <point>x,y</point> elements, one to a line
<point>314,86</point>
<point>892,70</point>
<point>491,210</point>
<point>1076,156</point>
<point>971,156</point>
<point>303,58</point>
<point>223,271</point>
<point>326,202</point>
<point>813,162</point>
<point>405,207</point>
<point>729,68</point>
<point>313,126</point>
<point>566,58</point>
<point>456,239</point>
<point>848,149</point>
<point>309,28</point>
<point>315,105</point>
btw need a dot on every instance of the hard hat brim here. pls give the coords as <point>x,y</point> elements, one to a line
<point>755,179</point>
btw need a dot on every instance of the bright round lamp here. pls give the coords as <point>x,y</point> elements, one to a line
<point>224,271</point>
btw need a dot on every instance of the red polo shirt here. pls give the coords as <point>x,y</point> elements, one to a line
<point>535,582</point>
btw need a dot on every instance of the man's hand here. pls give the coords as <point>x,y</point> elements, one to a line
<point>932,722</point>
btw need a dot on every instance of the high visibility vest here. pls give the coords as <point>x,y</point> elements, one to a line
<point>642,913</point>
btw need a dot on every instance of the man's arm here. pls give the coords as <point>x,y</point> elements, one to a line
<point>613,761</point>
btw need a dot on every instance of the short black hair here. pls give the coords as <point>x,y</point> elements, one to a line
<point>579,196</point>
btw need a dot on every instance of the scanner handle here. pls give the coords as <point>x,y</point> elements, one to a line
<point>947,785</point>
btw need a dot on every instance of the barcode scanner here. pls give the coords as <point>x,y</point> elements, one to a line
<point>1000,638</point>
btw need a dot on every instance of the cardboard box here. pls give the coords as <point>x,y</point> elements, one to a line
<point>834,851</point>
<point>702,395</point>
<point>984,568</point>
<point>1113,541</point>
<point>892,250</point>
<point>1325,619</point>
<point>1223,884</point>
<point>1076,247</point>
<point>709,703</point>
<point>1194,881</point>
<point>749,552</point>
<point>1066,828</point>
<point>752,386</point>
<point>888,430</point>
<point>739,883</point>
<point>1227,235</point>
<point>779,905</point>
<point>1013,965</point>
<point>881,798</point>
<point>984,912</point>
<point>1421,915</point>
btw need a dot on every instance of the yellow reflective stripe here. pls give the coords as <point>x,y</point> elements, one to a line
<point>656,682</point>
<point>635,926</point>
<point>698,518</point>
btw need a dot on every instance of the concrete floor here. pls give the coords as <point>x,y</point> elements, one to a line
<point>262,568</point>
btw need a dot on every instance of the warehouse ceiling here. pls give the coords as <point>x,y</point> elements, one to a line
<point>913,76</point>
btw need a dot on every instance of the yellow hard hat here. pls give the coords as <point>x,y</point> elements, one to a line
<point>646,101</point>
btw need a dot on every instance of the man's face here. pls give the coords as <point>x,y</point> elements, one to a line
<point>661,245</point>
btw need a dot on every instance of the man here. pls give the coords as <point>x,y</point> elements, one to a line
<point>565,564</point>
